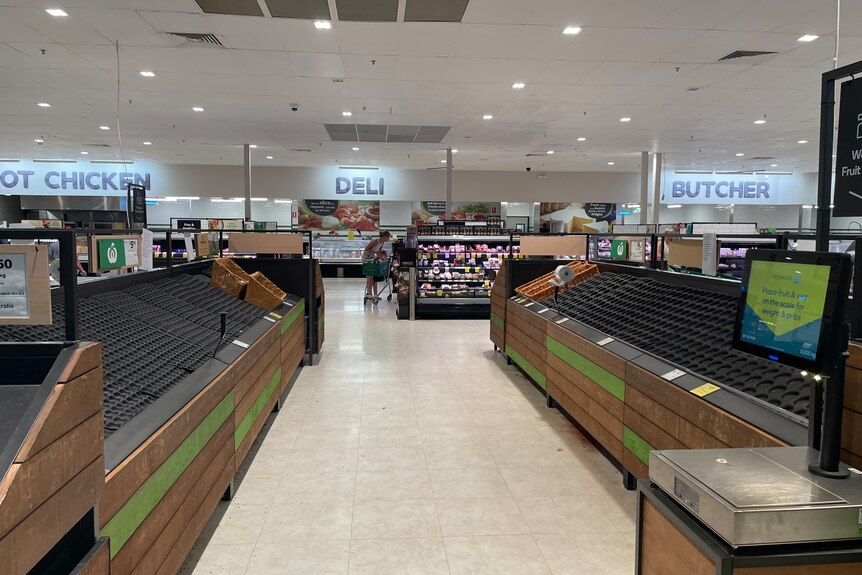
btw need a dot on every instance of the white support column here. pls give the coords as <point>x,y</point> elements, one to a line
<point>644,201</point>
<point>656,192</point>
<point>246,174</point>
<point>449,183</point>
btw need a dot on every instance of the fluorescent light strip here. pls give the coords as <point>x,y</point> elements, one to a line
<point>56,161</point>
<point>259,199</point>
<point>226,200</point>
<point>698,172</point>
<point>128,162</point>
<point>674,206</point>
<point>174,198</point>
<point>358,168</point>
<point>283,201</point>
<point>9,160</point>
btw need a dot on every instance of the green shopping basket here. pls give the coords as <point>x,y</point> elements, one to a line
<point>376,268</point>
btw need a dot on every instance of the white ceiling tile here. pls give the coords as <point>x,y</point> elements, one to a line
<point>426,38</point>
<point>417,68</point>
<point>61,30</point>
<point>55,56</point>
<point>369,67</point>
<point>496,12</point>
<point>165,21</point>
<point>565,72</point>
<point>376,38</point>
<point>504,72</point>
<point>317,65</point>
<point>123,26</point>
<point>245,32</point>
<point>301,36</point>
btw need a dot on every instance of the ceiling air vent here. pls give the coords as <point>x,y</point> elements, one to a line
<point>745,54</point>
<point>199,38</point>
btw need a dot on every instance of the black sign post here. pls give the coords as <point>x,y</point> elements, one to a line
<point>848,157</point>
<point>136,205</point>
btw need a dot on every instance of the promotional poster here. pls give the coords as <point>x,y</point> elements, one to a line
<point>334,215</point>
<point>575,218</point>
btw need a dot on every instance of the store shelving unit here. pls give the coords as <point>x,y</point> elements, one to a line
<point>455,273</point>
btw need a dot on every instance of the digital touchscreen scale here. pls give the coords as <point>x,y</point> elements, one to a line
<point>761,496</point>
<point>791,311</point>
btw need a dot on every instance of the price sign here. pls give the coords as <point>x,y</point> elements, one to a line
<point>25,291</point>
<point>14,301</point>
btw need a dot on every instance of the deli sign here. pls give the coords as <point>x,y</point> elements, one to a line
<point>359,186</point>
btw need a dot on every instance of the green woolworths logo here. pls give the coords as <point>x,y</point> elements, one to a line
<point>619,249</point>
<point>112,254</point>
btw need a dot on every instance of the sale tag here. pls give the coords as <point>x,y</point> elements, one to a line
<point>242,344</point>
<point>267,318</point>
<point>544,310</point>
<point>605,341</point>
<point>705,389</point>
<point>275,315</point>
<point>529,304</point>
<point>561,321</point>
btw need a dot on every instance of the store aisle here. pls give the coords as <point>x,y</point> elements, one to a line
<point>414,448</point>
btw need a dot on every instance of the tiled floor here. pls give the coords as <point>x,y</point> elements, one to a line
<point>414,449</point>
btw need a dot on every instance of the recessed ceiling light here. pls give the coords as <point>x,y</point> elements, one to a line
<point>802,142</point>
<point>773,165</point>
<point>550,152</point>
<point>442,161</point>
<point>518,85</point>
<point>39,141</point>
<point>44,105</point>
<point>148,143</point>
<point>760,121</point>
<point>56,12</point>
<point>104,127</point>
<point>808,38</point>
<point>582,139</point>
<point>455,150</point>
<point>269,157</point>
<point>346,114</point>
<point>571,30</point>
<point>487,117</point>
<point>197,109</point>
<point>323,24</point>
<point>739,155</point>
<point>148,74</point>
<point>610,163</point>
<point>355,149</point>
<point>252,146</point>
<point>625,119</point>
<point>85,153</point>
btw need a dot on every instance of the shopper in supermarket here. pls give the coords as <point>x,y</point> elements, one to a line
<point>371,253</point>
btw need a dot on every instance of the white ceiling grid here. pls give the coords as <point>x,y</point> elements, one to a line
<point>652,61</point>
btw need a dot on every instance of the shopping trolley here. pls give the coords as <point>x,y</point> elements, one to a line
<point>378,268</point>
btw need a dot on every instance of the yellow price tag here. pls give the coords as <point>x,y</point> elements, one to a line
<point>705,389</point>
<point>433,255</point>
<point>439,293</point>
<point>350,234</point>
<point>275,315</point>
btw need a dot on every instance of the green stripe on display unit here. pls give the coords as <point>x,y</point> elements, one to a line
<point>123,525</point>
<point>522,362</point>
<point>498,321</point>
<point>255,410</point>
<point>634,443</point>
<point>291,316</point>
<point>595,373</point>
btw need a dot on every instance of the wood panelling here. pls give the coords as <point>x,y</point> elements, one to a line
<point>68,405</point>
<point>32,538</point>
<point>86,357</point>
<point>722,425</point>
<point>595,393</point>
<point>27,485</point>
<point>150,529</point>
<point>666,551</point>
<point>128,476</point>
<point>650,432</point>
<point>187,537</point>
<point>851,435</point>
<point>97,561</point>
<point>595,353</point>
<point>634,465</point>
<point>612,443</point>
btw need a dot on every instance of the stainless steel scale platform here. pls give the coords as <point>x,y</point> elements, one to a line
<point>762,496</point>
